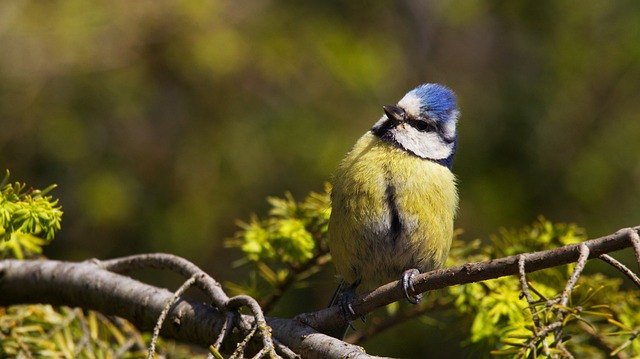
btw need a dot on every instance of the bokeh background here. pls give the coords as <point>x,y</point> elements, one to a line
<point>163,122</point>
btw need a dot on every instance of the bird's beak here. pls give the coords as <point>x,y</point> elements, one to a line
<point>394,113</point>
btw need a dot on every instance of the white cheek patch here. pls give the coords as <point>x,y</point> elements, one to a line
<point>423,144</point>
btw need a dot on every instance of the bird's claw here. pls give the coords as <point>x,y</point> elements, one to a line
<point>407,284</point>
<point>350,308</point>
<point>346,308</point>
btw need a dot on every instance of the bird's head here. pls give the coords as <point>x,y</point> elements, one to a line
<point>423,123</point>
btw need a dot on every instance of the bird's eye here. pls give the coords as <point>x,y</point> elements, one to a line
<point>423,126</point>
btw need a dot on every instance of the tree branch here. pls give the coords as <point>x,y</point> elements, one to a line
<point>621,267</point>
<point>87,285</point>
<point>163,315</point>
<point>171,262</point>
<point>331,318</point>
<point>527,294</point>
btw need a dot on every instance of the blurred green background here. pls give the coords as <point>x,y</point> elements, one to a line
<point>163,122</point>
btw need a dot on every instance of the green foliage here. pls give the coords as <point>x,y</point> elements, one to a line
<point>25,214</point>
<point>287,234</point>
<point>286,247</point>
<point>287,238</point>
<point>601,318</point>
<point>28,331</point>
<point>46,331</point>
<point>541,235</point>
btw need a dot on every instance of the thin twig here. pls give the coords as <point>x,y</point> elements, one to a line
<point>226,328</point>
<point>285,351</point>
<point>621,267</point>
<point>601,340</point>
<point>170,262</point>
<point>523,278</point>
<point>163,315</point>
<point>260,322</point>
<point>530,301</point>
<point>635,240</point>
<point>260,354</point>
<point>541,333</point>
<point>565,352</point>
<point>239,352</point>
<point>577,271</point>
<point>564,298</point>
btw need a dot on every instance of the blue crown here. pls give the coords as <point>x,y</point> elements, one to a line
<point>437,100</point>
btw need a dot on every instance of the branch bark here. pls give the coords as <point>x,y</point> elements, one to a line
<point>331,318</point>
<point>88,285</point>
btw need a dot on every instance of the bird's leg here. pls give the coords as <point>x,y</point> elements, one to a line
<point>345,301</point>
<point>407,283</point>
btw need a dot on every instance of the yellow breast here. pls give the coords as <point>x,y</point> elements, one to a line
<point>391,211</point>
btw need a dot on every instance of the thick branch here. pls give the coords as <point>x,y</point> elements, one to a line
<point>87,285</point>
<point>171,262</point>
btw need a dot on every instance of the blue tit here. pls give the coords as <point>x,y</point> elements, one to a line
<point>394,197</point>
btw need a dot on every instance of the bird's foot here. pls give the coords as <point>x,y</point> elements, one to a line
<point>346,308</point>
<point>407,284</point>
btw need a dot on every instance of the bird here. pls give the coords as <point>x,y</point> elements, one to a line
<point>394,197</point>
